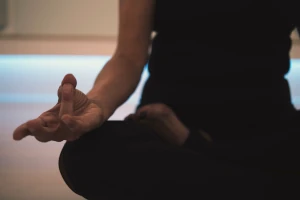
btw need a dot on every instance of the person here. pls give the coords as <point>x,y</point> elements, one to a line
<point>215,119</point>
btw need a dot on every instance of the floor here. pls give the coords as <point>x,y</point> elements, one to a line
<point>28,84</point>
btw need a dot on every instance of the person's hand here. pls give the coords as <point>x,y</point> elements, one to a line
<point>163,121</point>
<point>71,117</point>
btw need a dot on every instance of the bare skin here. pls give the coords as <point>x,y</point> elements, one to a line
<point>76,114</point>
<point>163,121</point>
<point>71,117</point>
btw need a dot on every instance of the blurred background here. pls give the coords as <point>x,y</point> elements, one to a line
<point>41,41</point>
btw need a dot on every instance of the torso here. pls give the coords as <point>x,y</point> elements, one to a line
<point>220,56</point>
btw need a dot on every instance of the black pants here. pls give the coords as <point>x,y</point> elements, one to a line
<point>125,160</point>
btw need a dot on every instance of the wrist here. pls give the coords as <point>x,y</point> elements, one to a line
<point>106,112</point>
<point>93,94</point>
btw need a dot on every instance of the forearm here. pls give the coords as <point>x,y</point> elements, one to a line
<point>114,84</point>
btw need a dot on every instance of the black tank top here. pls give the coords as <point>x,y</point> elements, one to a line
<point>219,57</point>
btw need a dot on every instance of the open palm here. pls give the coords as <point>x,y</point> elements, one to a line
<point>71,117</point>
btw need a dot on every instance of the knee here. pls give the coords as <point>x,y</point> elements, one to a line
<point>64,164</point>
<point>88,164</point>
<point>79,174</point>
<point>77,163</point>
<point>105,161</point>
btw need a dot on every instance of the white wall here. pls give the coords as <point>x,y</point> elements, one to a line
<point>63,17</point>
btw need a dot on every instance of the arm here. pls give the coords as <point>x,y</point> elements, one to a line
<point>296,15</point>
<point>121,74</point>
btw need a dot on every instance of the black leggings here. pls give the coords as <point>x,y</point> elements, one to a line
<point>125,160</point>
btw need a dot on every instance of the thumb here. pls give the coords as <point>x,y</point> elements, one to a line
<point>67,90</point>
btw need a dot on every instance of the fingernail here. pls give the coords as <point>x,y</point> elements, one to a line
<point>143,115</point>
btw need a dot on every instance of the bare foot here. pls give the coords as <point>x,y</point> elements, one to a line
<point>164,121</point>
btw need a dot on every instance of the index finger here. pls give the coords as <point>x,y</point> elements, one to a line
<point>67,95</point>
<point>21,132</point>
<point>67,98</point>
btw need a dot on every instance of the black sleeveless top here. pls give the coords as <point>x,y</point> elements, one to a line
<point>211,59</point>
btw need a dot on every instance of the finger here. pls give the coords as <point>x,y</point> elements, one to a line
<point>154,111</point>
<point>33,127</point>
<point>67,98</point>
<point>37,128</point>
<point>145,112</point>
<point>50,121</point>
<point>66,94</point>
<point>21,132</point>
<point>69,78</point>
<point>131,117</point>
